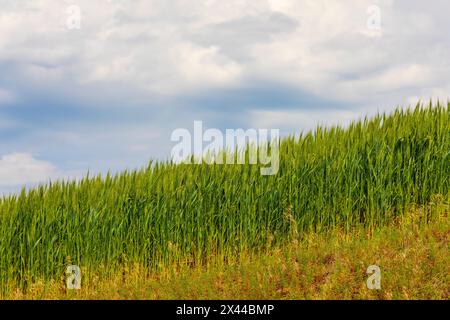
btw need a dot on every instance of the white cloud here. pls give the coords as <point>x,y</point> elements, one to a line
<point>330,53</point>
<point>181,46</point>
<point>21,168</point>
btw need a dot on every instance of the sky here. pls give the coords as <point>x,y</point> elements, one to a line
<point>100,85</point>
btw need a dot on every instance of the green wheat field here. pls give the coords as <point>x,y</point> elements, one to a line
<point>374,192</point>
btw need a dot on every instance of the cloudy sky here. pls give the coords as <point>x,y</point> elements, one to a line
<point>100,84</point>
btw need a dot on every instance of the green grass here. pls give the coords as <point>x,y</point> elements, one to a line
<point>368,173</point>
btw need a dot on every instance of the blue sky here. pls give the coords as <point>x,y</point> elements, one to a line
<point>107,95</point>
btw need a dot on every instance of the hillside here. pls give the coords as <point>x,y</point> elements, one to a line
<point>368,174</point>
